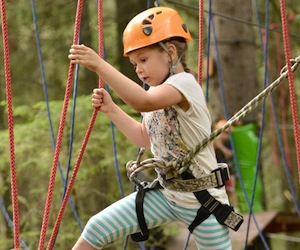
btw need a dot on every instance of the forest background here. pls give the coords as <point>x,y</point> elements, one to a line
<point>241,57</point>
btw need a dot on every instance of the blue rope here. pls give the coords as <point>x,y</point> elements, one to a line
<point>283,154</point>
<point>208,47</point>
<point>9,222</point>
<point>72,129</point>
<point>231,139</point>
<point>265,54</point>
<point>280,142</point>
<point>47,103</point>
<point>117,168</point>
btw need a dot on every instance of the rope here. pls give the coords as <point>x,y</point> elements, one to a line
<point>264,38</point>
<point>291,81</point>
<point>13,174</point>
<point>179,166</point>
<point>60,134</point>
<point>283,105</point>
<point>100,37</point>
<point>84,143</point>
<point>200,45</point>
<point>10,223</point>
<point>37,37</point>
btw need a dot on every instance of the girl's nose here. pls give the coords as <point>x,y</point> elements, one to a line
<point>138,69</point>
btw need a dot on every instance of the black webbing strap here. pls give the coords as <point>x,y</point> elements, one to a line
<point>139,207</point>
<point>224,213</point>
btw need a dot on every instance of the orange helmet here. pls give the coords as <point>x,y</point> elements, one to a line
<point>152,26</point>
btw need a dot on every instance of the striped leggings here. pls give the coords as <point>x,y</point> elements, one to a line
<point>119,220</point>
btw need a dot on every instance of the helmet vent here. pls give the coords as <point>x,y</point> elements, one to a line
<point>151,17</point>
<point>159,12</point>
<point>145,21</point>
<point>147,30</point>
<point>184,27</point>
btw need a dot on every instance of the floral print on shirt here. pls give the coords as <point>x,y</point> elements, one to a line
<point>164,132</point>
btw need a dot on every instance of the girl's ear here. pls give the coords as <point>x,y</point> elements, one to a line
<point>172,51</point>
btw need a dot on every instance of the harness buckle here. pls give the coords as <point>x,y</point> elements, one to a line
<point>222,175</point>
<point>226,215</point>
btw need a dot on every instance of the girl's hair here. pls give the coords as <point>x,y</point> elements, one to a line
<point>182,49</point>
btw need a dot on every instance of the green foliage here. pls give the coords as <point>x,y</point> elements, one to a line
<point>96,184</point>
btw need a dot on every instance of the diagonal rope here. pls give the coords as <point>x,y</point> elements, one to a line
<point>10,223</point>
<point>179,166</point>
<point>182,165</point>
<point>84,143</point>
<point>291,81</point>
<point>60,133</point>
<point>45,89</point>
<point>13,175</point>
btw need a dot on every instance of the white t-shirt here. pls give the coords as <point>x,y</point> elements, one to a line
<point>173,132</point>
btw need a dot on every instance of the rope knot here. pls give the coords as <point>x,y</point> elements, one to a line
<point>135,167</point>
<point>294,65</point>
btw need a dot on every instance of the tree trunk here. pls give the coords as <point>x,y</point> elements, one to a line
<point>125,12</point>
<point>236,54</point>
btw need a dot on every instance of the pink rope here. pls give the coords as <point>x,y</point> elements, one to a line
<point>201,35</point>
<point>83,146</point>
<point>13,175</point>
<point>60,133</point>
<point>100,37</point>
<point>291,80</point>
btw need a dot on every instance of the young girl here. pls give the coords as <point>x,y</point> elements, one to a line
<point>175,120</point>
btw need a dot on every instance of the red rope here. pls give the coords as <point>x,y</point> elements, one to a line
<point>84,143</point>
<point>60,133</point>
<point>100,37</point>
<point>71,183</point>
<point>291,80</point>
<point>13,174</point>
<point>200,48</point>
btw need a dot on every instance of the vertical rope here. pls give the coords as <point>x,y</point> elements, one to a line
<point>200,44</point>
<point>60,133</point>
<point>13,174</point>
<point>282,101</point>
<point>100,37</point>
<point>84,143</point>
<point>290,80</point>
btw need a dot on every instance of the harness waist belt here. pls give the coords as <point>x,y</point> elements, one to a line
<point>214,180</point>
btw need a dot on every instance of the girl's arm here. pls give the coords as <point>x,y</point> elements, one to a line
<point>130,92</point>
<point>132,129</point>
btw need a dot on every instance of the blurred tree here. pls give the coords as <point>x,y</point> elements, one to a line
<point>236,47</point>
<point>126,10</point>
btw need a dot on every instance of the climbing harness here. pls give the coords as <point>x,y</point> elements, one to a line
<point>176,168</point>
<point>175,175</point>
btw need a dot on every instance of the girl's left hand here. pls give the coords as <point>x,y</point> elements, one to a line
<point>81,54</point>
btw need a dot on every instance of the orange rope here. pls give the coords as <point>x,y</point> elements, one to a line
<point>13,174</point>
<point>291,80</point>
<point>83,146</point>
<point>201,35</point>
<point>60,132</point>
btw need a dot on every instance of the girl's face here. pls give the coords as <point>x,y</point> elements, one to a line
<point>151,64</point>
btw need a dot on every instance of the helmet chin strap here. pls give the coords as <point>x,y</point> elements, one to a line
<point>173,66</point>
